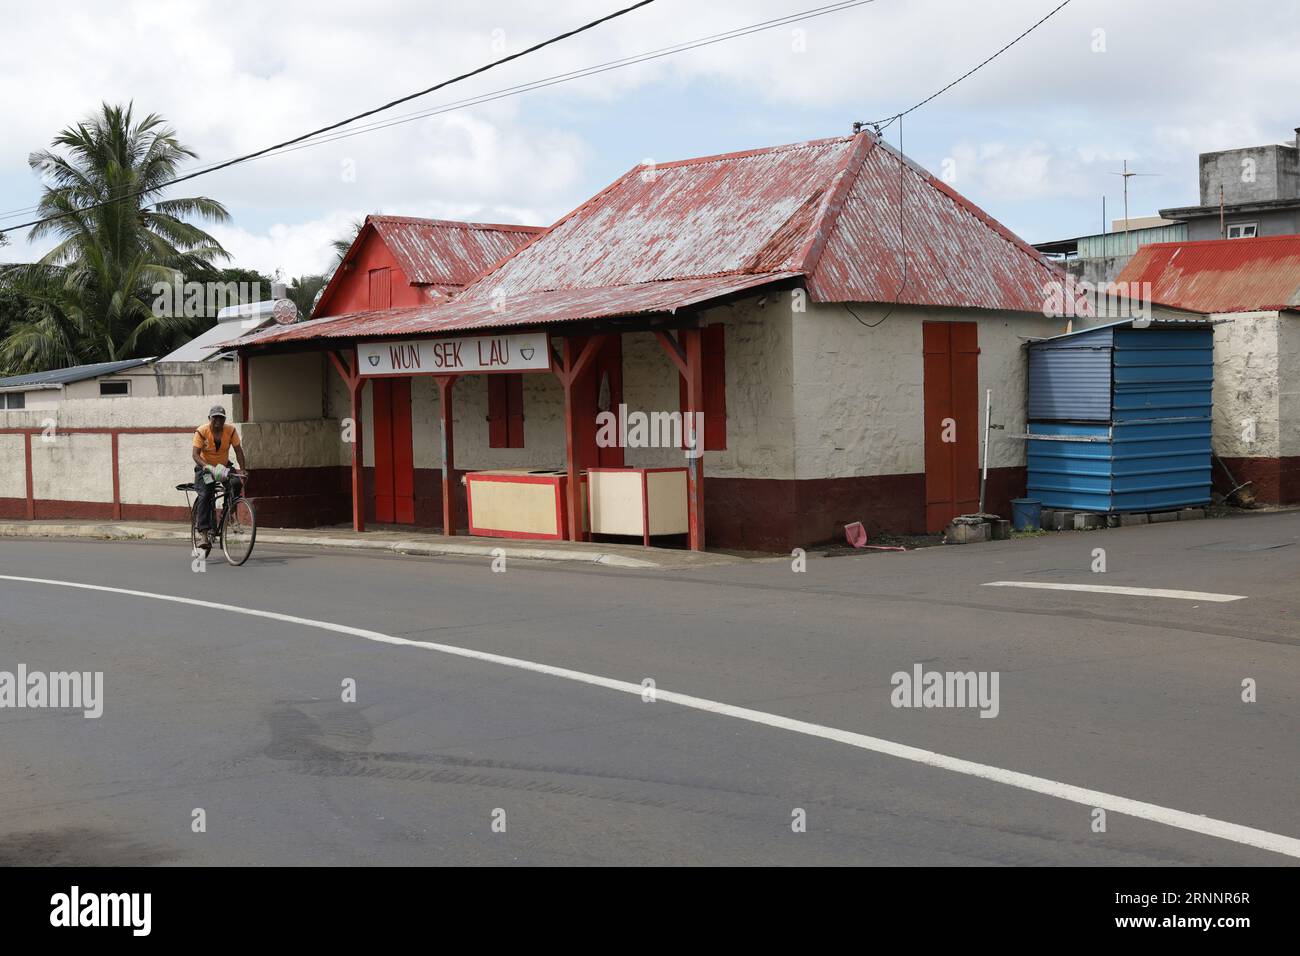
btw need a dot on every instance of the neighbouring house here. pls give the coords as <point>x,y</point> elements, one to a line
<point>1245,193</point>
<point>1252,288</point>
<point>1100,258</point>
<point>98,380</point>
<point>400,261</point>
<point>196,368</point>
<point>834,311</point>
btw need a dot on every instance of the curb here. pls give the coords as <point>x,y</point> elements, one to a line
<point>114,532</point>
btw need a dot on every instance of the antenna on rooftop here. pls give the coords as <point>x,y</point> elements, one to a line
<point>1126,174</point>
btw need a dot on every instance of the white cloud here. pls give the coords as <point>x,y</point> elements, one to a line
<point>1050,119</point>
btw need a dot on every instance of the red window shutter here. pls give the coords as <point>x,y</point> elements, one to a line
<point>498,411</point>
<point>381,288</point>
<point>506,410</point>
<point>715,388</point>
<point>515,410</point>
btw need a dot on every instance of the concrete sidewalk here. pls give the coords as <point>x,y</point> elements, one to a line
<point>400,541</point>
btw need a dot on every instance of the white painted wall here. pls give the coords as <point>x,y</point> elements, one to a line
<point>78,467</point>
<point>859,386</point>
<point>13,466</point>
<point>1246,385</point>
<point>1288,383</point>
<point>288,388</point>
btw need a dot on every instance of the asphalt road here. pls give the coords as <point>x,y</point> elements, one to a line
<point>1135,696</point>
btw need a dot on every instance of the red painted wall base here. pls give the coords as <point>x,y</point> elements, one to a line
<point>745,513</point>
<point>1275,481</point>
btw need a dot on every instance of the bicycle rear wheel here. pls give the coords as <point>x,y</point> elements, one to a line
<point>239,531</point>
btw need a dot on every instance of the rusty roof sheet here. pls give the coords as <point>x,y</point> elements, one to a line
<point>556,305</point>
<point>825,210</point>
<point>444,252</point>
<point>1221,275</point>
<point>956,254</point>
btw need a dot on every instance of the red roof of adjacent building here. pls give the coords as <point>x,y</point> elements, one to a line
<point>665,237</point>
<point>1221,275</point>
<point>442,254</point>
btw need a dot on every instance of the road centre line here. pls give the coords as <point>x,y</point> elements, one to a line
<point>1116,589</point>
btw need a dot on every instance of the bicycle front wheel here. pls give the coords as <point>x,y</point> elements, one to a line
<point>239,532</point>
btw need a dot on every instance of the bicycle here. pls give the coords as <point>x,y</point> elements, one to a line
<point>235,527</point>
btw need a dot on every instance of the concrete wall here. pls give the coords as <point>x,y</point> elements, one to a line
<point>859,391</point>
<point>1246,387</point>
<point>72,473</point>
<point>1096,269</point>
<point>150,381</point>
<point>1281,222</point>
<point>288,388</point>
<point>1288,384</point>
<point>1275,175</point>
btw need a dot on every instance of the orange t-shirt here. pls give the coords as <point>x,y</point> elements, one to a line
<point>215,451</point>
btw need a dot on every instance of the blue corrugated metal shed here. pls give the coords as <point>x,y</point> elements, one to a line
<point>1125,417</point>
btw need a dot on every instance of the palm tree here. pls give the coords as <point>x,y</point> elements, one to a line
<point>343,243</point>
<point>93,292</point>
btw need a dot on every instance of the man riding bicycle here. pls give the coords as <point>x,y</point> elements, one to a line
<point>211,453</point>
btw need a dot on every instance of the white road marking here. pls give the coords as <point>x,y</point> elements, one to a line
<point>1181,819</point>
<point>1115,589</point>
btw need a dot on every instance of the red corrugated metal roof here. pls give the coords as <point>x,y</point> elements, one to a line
<point>556,305</point>
<point>956,254</point>
<point>1221,275</point>
<point>448,253</point>
<point>827,210</point>
<point>442,254</point>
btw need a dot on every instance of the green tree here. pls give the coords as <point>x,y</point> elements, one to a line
<point>303,290</point>
<point>91,295</point>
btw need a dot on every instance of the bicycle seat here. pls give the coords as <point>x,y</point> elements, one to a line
<point>188,486</point>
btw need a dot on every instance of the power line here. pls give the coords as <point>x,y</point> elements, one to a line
<point>889,119</point>
<point>317,139</point>
<point>333,126</point>
<point>582,73</point>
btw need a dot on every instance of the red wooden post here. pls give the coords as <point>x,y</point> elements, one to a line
<point>356,384</point>
<point>31,485</point>
<point>117,491</point>
<point>570,439</point>
<point>445,383</point>
<point>692,342</point>
<point>569,371</point>
<point>356,389</point>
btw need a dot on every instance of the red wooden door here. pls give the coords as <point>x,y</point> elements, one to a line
<point>605,374</point>
<point>952,424</point>
<point>394,458</point>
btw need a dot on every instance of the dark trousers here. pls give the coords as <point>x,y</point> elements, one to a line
<point>204,492</point>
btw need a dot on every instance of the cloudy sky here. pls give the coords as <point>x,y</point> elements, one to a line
<point>1034,138</point>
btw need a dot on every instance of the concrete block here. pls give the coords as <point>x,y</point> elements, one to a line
<point>1001,529</point>
<point>1112,521</point>
<point>1063,521</point>
<point>1046,517</point>
<point>1160,517</point>
<point>1191,514</point>
<point>1087,522</point>
<point>966,533</point>
<point>1127,521</point>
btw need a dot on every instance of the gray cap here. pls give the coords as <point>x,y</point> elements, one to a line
<point>217,410</point>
